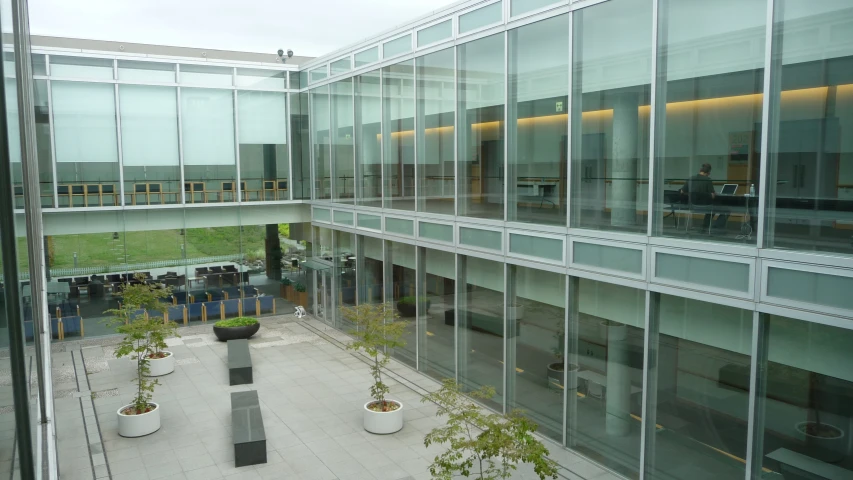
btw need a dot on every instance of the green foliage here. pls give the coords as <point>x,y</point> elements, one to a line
<point>236,322</point>
<point>299,287</point>
<point>377,332</point>
<point>411,300</point>
<point>256,255</point>
<point>481,444</point>
<point>284,230</point>
<point>143,334</point>
<point>286,281</point>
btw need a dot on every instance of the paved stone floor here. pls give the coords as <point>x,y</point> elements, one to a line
<point>311,391</point>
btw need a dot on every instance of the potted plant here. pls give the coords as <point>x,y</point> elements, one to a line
<point>823,441</point>
<point>376,333</point>
<point>286,288</point>
<point>407,306</point>
<point>492,448</point>
<point>143,341</point>
<point>557,369</point>
<point>236,328</point>
<point>301,294</point>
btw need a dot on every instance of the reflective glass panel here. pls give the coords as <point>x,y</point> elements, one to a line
<point>207,75</point>
<point>264,162</point>
<point>145,71</point>
<point>368,121</point>
<point>366,56</point>
<point>437,298</point>
<point>481,17</point>
<point>342,141</point>
<point>401,275</point>
<point>321,142</point>
<point>398,138</point>
<point>435,33</point>
<point>370,270</point>
<point>301,148</point>
<point>207,137</point>
<point>436,109</point>
<point>397,46</point>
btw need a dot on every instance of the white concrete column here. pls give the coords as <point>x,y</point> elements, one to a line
<point>618,404</point>
<point>623,197</point>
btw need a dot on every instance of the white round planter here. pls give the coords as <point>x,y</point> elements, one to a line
<point>613,331</point>
<point>138,425</point>
<point>158,367</point>
<point>829,450</point>
<point>383,423</point>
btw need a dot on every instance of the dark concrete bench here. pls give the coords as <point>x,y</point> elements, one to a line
<point>239,362</point>
<point>247,427</point>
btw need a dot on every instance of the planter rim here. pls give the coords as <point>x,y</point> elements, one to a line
<point>156,406</point>
<point>572,367</point>
<point>387,400</point>
<point>801,428</point>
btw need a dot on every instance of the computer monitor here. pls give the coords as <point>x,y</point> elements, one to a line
<point>729,189</point>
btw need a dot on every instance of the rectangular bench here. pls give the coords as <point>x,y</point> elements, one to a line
<point>239,362</point>
<point>247,426</point>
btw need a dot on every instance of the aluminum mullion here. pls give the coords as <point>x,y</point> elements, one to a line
<point>235,103</point>
<point>505,319</point>
<point>649,402</point>
<point>653,107</point>
<point>456,131</point>
<point>354,147</point>
<point>311,140</point>
<point>182,187</point>
<point>415,121</point>
<point>120,153</point>
<point>769,85</point>
<point>753,373</point>
<point>382,136</point>
<point>288,114</point>
<point>333,160</point>
<point>506,154</point>
<point>569,127</point>
<point>417,309</point>
<point>52,143</point>
<point>566,319</point>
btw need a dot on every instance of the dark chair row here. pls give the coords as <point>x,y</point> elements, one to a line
<point>213,294</point>
<point>216,310</point>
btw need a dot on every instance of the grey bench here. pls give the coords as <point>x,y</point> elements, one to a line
<point>239,362</point>
<point>247,426</point>
<point>795,465</point>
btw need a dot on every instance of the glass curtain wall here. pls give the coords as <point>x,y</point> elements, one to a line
<point>346,273</point>
<point>301,148</point>
<point>437,304</point>
<point>536,347</point>
<point>321,143</point>
<point>709,118</point>
<point>86,143</point>
<point>402,264</point>
<point>149,144</point>
<point>481,91</point>
<point>207,137</point>
<point>43,140</point>
<point>702,399</point>
<point>342,141</point>
<point>604,389</point>
<point>810,158</point>
<point>610,115</point>
<point>805,413</point>
<point>436,109</point>
<point>398,138</point>
<point>370,270</point>
<point>264,158</point>
<point>538,122</point>
<point>480,331</point>
<point>368,123</point>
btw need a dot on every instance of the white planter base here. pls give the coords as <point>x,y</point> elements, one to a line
<point>138,425</point>
<point>157,367</point>
<point>383,423</point>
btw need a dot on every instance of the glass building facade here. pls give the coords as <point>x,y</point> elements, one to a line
<point>632,218</point>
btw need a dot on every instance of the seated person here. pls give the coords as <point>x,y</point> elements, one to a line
<point>700,191</point>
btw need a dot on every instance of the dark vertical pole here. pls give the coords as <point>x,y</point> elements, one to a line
<point>20,392</point>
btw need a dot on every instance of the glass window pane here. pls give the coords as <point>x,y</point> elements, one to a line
<point>318,74</point>
<point>539,121</point>
<point>604,389</point>
<point>320,140</point>
<point>709,118</point>
<point>369,221</point>
<point>342,141</point>
<point>368,118</point>
<point>437,298</point>
<point>481,238</point>
<point>517,7</point>
<point>398,139</point>
<point>149,144</point>
<point>402,294</point>
<point>536,319</point>
<point>702,407</point>
<point>301,148</point>
<point>39,64</point>
<point>341,66</point>
<point>345,275</point>
<point>436,109</point>
<point>264,165</point>
<point>400,226</point>
<point>207,76</point>
<point>256,78</point>
<point>488,15</point>
<point>536,246</point>
<point>303,79</point>
<point>435,33</point>
<point>207,127</point>
<point>370,269</point>
<point>80,67</point>
<point>43,140</point>
<point>87,167</point>
<point>436,231</point>
<point>806,397</point>
<point>810,203</point>
<point>480,331</point>
<point>294,79</point>
<point>610,131</point>
<point>397,46</point>
<point>366,56</point>
<point>145,71</point>
<point>481,77</point>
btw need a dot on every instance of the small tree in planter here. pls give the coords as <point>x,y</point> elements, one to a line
<point>286,288</point>
<point>483,445</point>
<point>376,333</point>
<point>556,369</point>
<point>301,295</point>
<point>144,342</point>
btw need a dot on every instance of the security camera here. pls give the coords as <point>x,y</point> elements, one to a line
<point>280,52</point>
<point>289,53</point>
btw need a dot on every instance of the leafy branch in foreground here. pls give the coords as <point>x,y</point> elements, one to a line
<point>485,445</point>
<point>377,332</point>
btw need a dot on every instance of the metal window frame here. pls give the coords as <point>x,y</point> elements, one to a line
<point>452,226</point>
<point>476,248</point>
<point>765,298</point>
<point>356,52</point>
<point>394,38</point>
<point>691,254</point>
<point>508,232</point>
<point>403,219</point>
<point>488,26</point>
<point>315,209</point>
<point>570,256</point>
<point>345,212</point>
<point>416,32</point>
<point>536,11</point>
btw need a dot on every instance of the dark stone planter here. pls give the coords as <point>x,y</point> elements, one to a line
<point>409,309</point>
<point>233,333</point>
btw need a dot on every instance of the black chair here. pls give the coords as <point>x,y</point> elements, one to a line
<point>109,191</point>
<point>93,196</point>
<point>64,191</point>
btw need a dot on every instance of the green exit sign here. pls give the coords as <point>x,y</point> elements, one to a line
<point>559,106</point>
